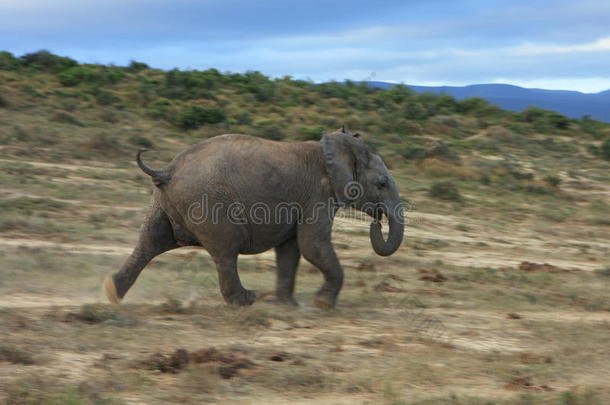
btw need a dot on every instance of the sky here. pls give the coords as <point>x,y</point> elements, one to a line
<point>557,44</point>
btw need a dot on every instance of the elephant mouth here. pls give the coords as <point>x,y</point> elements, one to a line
<point>377,212</point>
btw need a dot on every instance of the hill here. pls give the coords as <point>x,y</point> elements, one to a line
<point>573,104</point>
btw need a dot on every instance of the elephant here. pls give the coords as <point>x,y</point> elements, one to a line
<point>238,194</point>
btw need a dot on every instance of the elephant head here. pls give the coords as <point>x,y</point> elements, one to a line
<point>360,179</point>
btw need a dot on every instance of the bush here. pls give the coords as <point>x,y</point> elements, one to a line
<point>190,84</point>
<point>159,109</point>
<point>15,355</point>
<point>9,62</point>
<point>66,118</point>
<point>110,75</point>
<point>104,143</point>
<point>257,84</point>
<point>194,116</point>
<point>104,97</point>
<point>45,60</point>
<point>552,180</point>
<point>445,190</point>
<point>310,133</point>
<point>140,140</point>
<point>411,152</point>
<point>270,130</point>
<point>77,75</point>
<point>135,67</point>
<point>473,105</point>
<point>558,121</point>
<point>591,126</point>
<point>544,120</point>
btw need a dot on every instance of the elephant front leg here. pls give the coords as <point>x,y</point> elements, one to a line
<point>230,285</point>
<point>317,248</point>
<point>287,257</point>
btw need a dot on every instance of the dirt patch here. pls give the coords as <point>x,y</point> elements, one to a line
<point>432,275</point>
<point>167,364</point>
<point>386,286</point>
<point>524,383</point>
<point>529,266</point>
<point>98,313</point>
<point>532,358</point>
<point>228,364</point>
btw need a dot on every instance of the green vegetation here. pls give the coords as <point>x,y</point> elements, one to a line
<point>189,99</point>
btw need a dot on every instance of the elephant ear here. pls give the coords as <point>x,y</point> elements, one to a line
<point>345,157</point>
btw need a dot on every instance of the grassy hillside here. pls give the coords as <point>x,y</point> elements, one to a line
<point>53,109</point>
<point>499,294</point>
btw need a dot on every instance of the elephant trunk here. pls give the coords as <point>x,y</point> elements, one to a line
<point>382,247</point>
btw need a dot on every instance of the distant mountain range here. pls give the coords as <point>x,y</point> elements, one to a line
<point>573,104</point>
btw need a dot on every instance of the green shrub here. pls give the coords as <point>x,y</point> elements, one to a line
<point>544,120</point>
<point>533,114</point>
<point>591,126</point>
<point>310,133</point>
<point>269,129</point>
<point>3,102</point>
<point>257,84</point>
<point>110,75</point>
<point>45,60</point>
<point>412,152</point>
<point>66,118</point>
<point>473,105</point>
<point>194,116</point>
<point>135,67</point>
<point>159,109</point>
<point>243,118</point>
<point>104,143</point>
<point>552,180</point>
<point>31,91</point>
<point>558,121</point>
<point>77,75</point>
<point>445,190</point>
<point>15,355</point>
<point>8,61</point>
<point>190,84</point>
<point>140,140</point>
<point>104,97</point>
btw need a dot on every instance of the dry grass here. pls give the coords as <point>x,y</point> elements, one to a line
<point>451,318</point>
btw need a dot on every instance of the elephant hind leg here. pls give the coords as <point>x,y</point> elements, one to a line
<point>231,288</point>
<point>156,237</point>
<point>287,257</point>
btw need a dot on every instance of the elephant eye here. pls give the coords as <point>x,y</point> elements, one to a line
<point>382,183</point>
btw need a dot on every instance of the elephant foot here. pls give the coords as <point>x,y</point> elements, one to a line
<point>290,301</point>
<point>324,302</point>
<point>110,291</point>
<point>242,298</point>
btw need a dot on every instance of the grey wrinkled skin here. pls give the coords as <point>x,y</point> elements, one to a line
<point>240,168</point>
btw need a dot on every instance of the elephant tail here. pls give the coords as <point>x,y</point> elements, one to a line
<point>159,177</point>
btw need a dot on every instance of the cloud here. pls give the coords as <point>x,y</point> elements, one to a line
<point>414,41</point>
<point>600,45</point>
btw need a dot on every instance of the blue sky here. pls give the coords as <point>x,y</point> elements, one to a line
<point>535,43</point>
